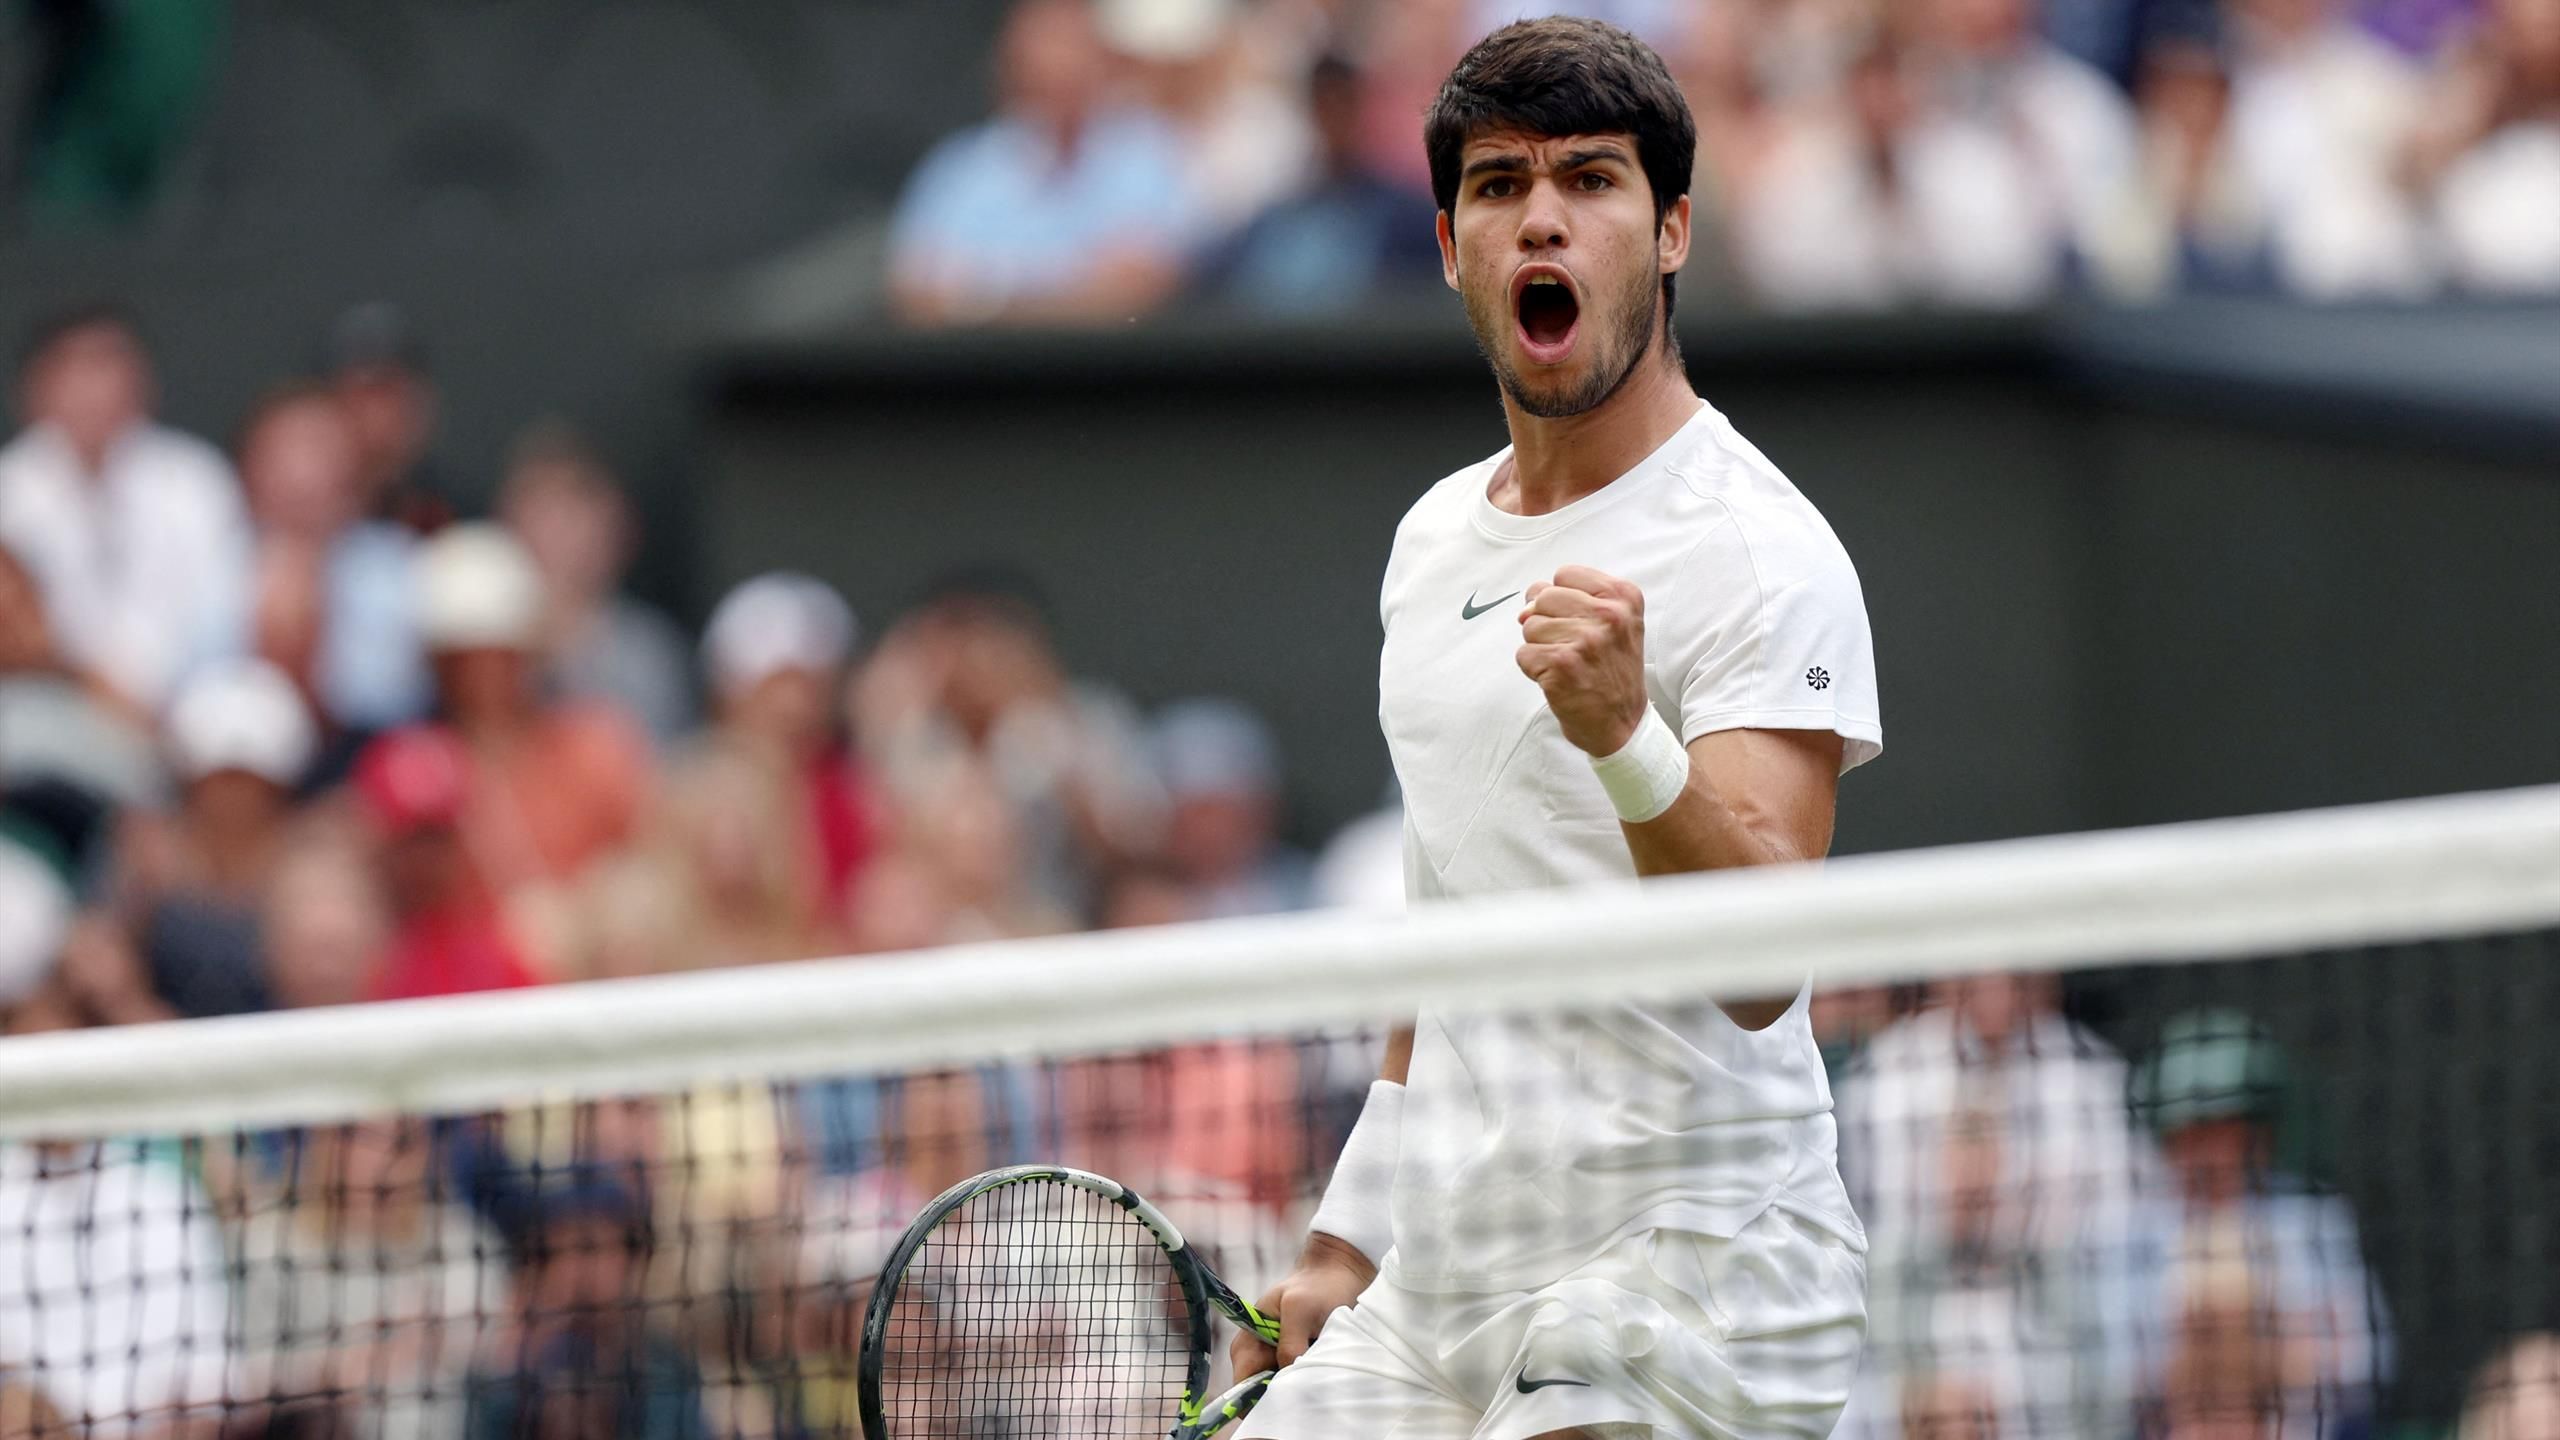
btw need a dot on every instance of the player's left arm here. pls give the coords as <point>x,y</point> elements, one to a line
<point>1752,797</point>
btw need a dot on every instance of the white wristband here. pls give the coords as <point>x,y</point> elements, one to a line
<point>1355,1201</point>
<point>1647,773</point>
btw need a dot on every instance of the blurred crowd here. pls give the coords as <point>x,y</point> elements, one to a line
<point>1852,153</point>
<point>2069,1243</point>
<point>278,730</point>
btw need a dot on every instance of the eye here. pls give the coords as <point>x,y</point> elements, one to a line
<point>1496,188</point>
<point>1592,180</point>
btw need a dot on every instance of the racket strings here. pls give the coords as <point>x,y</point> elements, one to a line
<point>1036,1310</point>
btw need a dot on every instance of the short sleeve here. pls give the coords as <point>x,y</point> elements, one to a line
<point>931,220</point>
<point>1769,632</point>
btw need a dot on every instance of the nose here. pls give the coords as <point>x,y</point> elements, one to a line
<point>1542,220</point>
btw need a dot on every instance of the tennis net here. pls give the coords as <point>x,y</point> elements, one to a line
<point>2244,1125</point>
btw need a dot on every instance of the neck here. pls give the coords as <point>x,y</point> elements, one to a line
<point>1556,462</point>
<point>1065,131</point>
<point>91,453</point>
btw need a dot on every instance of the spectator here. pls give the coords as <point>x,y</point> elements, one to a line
<point>553,786</point>
<point>775,653</point>
<point>1961,159</point>
<point>36,909</point>
<point>335,603</point>
<point>2189,222</point>
<point>582,1359</point>
<point>2491,153</point>
<point>2259,1251</point>
<point>411,788</point>
<point>733,886</point>
<point>711,1167</point>
<point>959,823</point>
<point>1064,208</point>
<point>2013,1209</point>
<point>361,1285</point>
<point>378,368</point>
<point>1221,774</point>
<point>133,531</point>
<point>1247,141</point>
<point>1809,191</point>
<point>239,740</point>
<point>933,1132</point>
<point>2322,113</point>
<point>69,759</point>
<point>323,929</point>
<point>1343,238</point>
<point>901,903</point>
<point>1407,51</point>
<point>970,676</point>
<point>107,1239</point>
<point>601,644</point>
<point>2015,157</point>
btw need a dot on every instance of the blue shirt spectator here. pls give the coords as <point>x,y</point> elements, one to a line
<point>1350,234</point>
<point>1059,209</point>
<point>373,672</point>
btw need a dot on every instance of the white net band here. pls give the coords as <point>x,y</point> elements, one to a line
<point>2427,869</point>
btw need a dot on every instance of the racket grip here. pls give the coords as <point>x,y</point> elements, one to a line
<point>1266,1326</point>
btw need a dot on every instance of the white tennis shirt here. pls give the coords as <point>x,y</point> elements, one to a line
<point>1531,1143</point>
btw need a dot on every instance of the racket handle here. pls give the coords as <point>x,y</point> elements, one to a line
<point>1226,1410</point>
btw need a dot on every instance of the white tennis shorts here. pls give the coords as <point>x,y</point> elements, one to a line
<point>1668,1335</point>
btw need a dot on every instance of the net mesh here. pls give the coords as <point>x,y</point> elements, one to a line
<point>2243,1128</point>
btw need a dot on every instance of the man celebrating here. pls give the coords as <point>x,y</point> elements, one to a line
<point>1623,1222</point>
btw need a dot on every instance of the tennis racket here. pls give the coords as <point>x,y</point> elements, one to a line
<point>1037,1300</point>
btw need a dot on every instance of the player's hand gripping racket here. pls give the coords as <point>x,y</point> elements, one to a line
<point>1038,1300</point>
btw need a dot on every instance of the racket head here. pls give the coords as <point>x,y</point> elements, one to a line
<point>1036,1299</point>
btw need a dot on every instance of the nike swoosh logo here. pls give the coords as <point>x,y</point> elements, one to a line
<point>1529,1386</point>
<point>1471,609</point>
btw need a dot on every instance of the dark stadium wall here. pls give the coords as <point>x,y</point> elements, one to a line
<point>2098,600</point>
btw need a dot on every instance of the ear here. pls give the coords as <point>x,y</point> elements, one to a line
<point>1448,250</point>
<point>1673,242</point>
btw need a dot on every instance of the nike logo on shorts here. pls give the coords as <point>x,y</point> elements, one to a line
<point>1528,1386</point>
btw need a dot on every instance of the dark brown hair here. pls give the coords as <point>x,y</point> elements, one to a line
<point>1565,76</point>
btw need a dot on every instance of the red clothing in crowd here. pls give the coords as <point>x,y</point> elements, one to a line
<point>452,953</point>
<point>842,818</point>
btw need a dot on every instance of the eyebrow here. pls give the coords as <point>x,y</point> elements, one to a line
<point>1516,164</point>
<point>1576,159</point>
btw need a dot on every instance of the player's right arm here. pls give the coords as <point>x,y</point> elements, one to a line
<point>1331,1271</point>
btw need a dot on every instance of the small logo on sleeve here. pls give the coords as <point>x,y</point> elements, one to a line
<point>1818,678</point>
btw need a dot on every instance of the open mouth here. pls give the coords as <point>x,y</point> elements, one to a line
<point>1547,309</point>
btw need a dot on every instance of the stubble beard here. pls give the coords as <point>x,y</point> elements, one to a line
<point>1632,324</point>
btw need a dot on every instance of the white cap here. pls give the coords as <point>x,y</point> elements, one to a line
<point>1165,30</point>
<point>777,621</point>
<point>477,589</point>
<point>35,913</point>
<point>240,715</point>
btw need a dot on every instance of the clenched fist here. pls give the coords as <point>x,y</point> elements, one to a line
<point>1583,642</point>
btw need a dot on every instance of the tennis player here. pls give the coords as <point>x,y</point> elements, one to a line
<point>1623,646</point>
